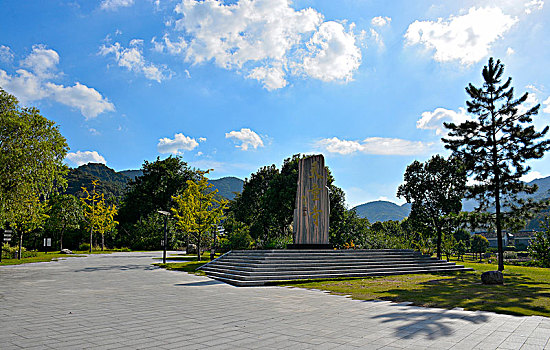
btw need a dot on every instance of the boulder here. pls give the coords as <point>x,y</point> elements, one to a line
<point>66,251</point>
<point>192,249</point>
<point>492,277</point>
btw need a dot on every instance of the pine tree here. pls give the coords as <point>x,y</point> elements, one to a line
<point>495,147</point>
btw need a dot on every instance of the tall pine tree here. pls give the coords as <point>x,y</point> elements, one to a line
<point>495,147</point>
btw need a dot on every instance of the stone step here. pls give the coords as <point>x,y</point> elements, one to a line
<point>270,279</point>
<point>322,265</point>
<point>311,272</point>
<point>257,267</point>
<point>276,259</point>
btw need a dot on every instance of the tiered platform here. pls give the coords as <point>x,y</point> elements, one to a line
<point>261,267</point>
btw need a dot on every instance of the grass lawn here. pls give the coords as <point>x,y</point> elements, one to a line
<point>526,290</point>
<point>52,256</point>
<point>41,257</point>
<point>189,263</point>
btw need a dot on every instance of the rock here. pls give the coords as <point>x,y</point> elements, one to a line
<point>492,277</point>
<point>192,249</point>
<point>66,251</point>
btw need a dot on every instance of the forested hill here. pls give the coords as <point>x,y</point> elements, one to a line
<point>227,186</point>
<point>111,183</point>
<point>383,211</point>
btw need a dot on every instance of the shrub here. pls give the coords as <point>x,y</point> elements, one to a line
<point>9,252</point>
<point>510,255</point>
<point>539,248</point>
<point>510,248</point>
<point>84,246</point>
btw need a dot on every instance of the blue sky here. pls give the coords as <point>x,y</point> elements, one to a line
<point>237,85</point>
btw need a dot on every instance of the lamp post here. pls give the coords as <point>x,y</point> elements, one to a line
<point>165,242</point>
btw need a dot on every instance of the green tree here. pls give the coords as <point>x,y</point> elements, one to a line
<point>65,212</point>
<point>106,214</point>
<point>92,211</point>
<point>153,191</point>
<point>252,206</point>
<point>32,151</point>
<point>435,189</point>
<point>479,244</point>
<point>30,216</point>
<point>539,247</point>
<point>495,147</point>
<point>197,211</point>
<point>350,228</point>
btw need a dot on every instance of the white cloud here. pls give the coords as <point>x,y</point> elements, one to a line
<point>375,145</point>
<point>335,145</point>
<point>377,38</point>
<point>132,59</point>
<point>202,139</point>
<point>115,4</point>
<point>41,61</point>
<point>510,51</point>
<point>465,38</point>
<point>35,84</point>
<point>532,175</point>
<point>80,158</point>
<point>6,55</point>
<point>533,5</point>
<point>172,47</point>
<point>380,21</point>
<point>24,85</point>
<point>264,40</point>
<point>88,100</point>
<point>272,78</point>
<point>94,131</point>
<point>246,137</point>
<point>332,54</point>
<point>177,145</point>
<point>434,120</point>
<point>547,104</point>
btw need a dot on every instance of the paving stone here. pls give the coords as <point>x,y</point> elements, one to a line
<point>119,301</point>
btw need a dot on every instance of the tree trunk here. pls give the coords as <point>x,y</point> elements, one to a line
<point>102,241</point>
<point>198,246</point>
<point>439,242</point>
<point>20,245</point>
<point>91,238</point>
<point>61,238</point>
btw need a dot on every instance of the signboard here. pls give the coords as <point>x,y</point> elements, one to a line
<point>311,215</point>
<point>47,242</point>
<point>7,235</point>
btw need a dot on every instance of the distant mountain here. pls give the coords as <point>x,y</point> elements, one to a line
<point>111,183</point>
<point>132,174</point>
<point>383,211</point>
<point>227,186</point>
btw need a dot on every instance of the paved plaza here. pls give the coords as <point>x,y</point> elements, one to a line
<point>122,301</point>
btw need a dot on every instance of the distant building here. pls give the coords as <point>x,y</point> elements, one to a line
<point>492,238</point>
<point>524,237</point>
<point>519,239</point>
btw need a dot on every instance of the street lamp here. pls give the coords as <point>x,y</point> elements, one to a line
<point>165,242</point>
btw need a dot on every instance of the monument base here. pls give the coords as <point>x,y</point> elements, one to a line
<point>309,246</point>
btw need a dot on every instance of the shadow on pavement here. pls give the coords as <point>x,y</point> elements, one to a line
<point>198,284</point>
<point>117,267</point>
<point>432,324</point>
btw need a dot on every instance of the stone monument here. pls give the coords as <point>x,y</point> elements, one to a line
<point>311,215</point>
